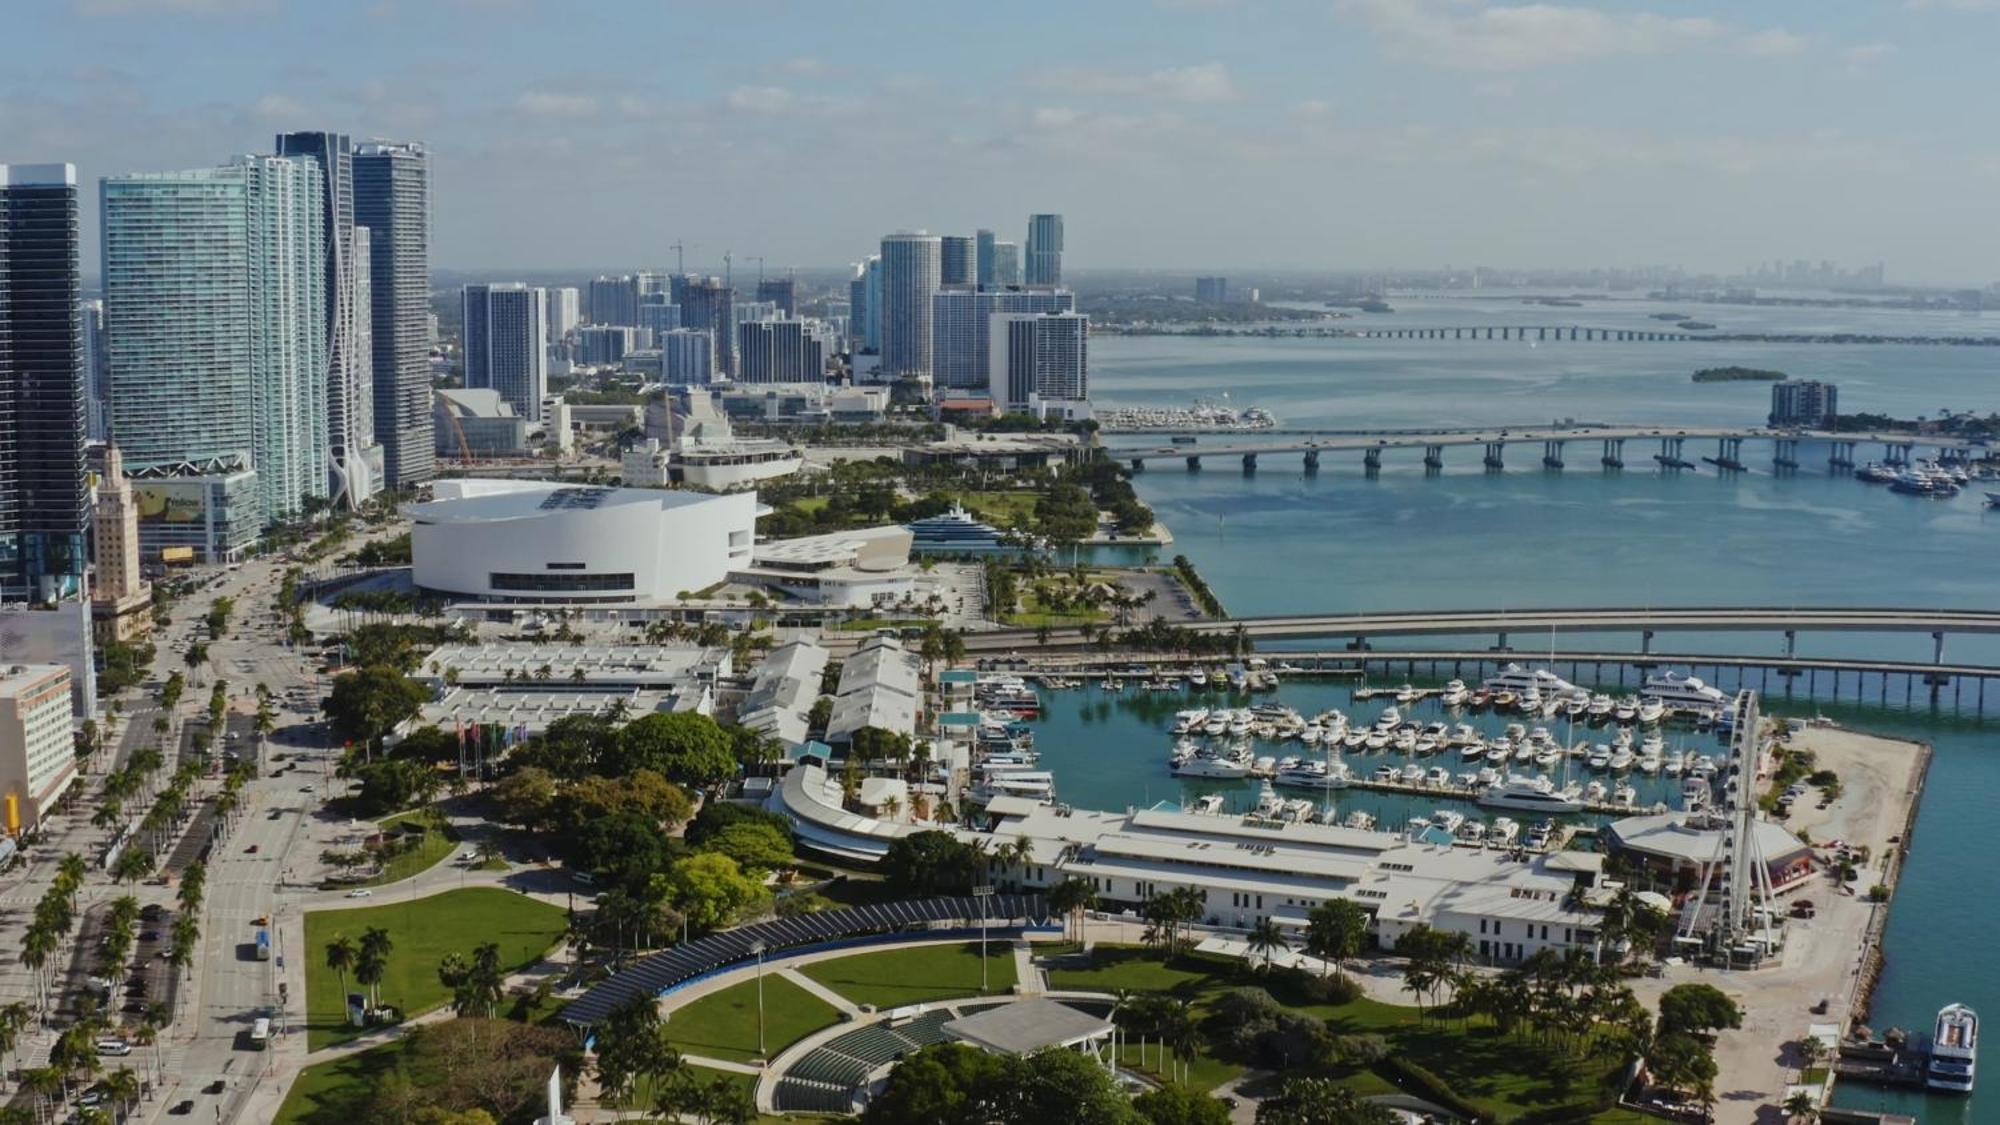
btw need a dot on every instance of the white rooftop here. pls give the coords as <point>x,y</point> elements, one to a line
<point>476,499</point>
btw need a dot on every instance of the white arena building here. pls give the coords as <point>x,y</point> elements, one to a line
<point>543,541</point>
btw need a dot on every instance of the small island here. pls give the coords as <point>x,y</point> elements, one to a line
<point>1738,375</point>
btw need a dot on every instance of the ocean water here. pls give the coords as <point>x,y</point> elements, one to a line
<point>1282,541</point>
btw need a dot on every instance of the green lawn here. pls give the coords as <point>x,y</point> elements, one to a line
<point>1504,1075</point>
<point>1001,509</point>
<point>895,977</point>
<point>723,1025</point>
<point>338,1090</point>
<point>433,848</point>
<point>422,932</point>
<point>870,624</point>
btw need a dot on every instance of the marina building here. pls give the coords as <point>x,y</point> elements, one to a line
<point>1681,844</point>
<point>539,541</point>
<point>996,452</point>
<point>37,743</point>
<point>881,686</point>
<point>961,323</point>
<point>1806,403</point>
<point>1248,869</point>
<point>1045,249</point>
<point>911,269</point>
<point>44,499</point>
<point>505,333</point>
<point>392,202</point>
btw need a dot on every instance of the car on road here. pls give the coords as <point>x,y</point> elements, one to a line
<point>275,814</point>
<point>251,850</point>
<point>260,920</point>
<point>360,892</point>
<point>113,1047</point>
<point>183,1107</point>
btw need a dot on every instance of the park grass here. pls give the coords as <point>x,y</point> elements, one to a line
<point>723,1025</point>
<point>429,852</point>
<point>1504,1075</point>
<point>423,931</point>
<point>917,974</point>
<point>870,624</point>
<point>1001,509</point>
<point>338,1090</point>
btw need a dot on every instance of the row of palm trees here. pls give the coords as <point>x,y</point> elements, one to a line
<point>367,959</point>
<point>54,918</point>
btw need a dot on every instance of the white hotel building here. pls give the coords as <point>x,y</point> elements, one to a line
<point>37,745</point>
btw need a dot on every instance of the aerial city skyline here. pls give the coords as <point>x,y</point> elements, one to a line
<point>1165,562</point>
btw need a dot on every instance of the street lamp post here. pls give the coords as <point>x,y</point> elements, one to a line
<point>758,949</point>
<point>982,892</point>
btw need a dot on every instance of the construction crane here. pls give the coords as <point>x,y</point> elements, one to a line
<point>759,259</point>
<point>728,278</point>
<point>680,260</point>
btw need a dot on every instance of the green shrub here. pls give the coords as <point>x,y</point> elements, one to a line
<point>1414,1079</point>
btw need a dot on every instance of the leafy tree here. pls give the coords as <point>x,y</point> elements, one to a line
<point>367,703</point>
<point>1175,1104</point>
<point>1318,1101</point>
<point>624,848</point>
<point>928,863</point>
<point>526,797</point>
<point>710,890</point>
<point>754,846</point>
<point>718,815</point>
<point>1335,931</point>
<point>683,747</point>
<point>1697,1009</point>
<point>641,793</point>
<point>1681,1061</point>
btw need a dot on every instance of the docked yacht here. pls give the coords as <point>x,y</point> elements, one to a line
<point>1036,785</point>
<point>1447,819</point>
<point>1502,831</point>
<point>1576,705</point>
<point>1311,774</point>
<point>1519,680</point>
<point>1455,694</point>
<point>1217,722</point>
<point>1626,710</point>
<point>1189,721</point>
<point>1954,1049</point>
<point>1390,720</point>
<point>1600,707</point>
<point>1229,764</point>
<point>1407,694</point>
<point>1269,804</point>
<point>1209,804</point>
<point>1239,725</point>
<point>1651,711</point>
<point>1359,821</point>
<point>1472,751</point>
<point>1621,760</point>
<point>1534,794</point>
<point>1676,692</point>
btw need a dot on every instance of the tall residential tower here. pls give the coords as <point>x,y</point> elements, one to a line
<point>392,200</point>
<point>1045,249</point>
<point>911,268</point>
<point>44,501</point>
<point>506,344</point>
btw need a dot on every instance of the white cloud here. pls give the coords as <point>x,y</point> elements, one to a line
<point>279,108</point>
<point>1202,83</point>
<point>1773,43</point>
<point>761,99</point>
<point>1502,37</point>
<point>553,106</point>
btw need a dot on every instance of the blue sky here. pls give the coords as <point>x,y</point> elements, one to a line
<point>1176,134</point>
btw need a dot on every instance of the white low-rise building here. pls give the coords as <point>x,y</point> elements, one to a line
<point>538,541</point>
<point>37,743</point>
<point>854,569</point>
<point>1246,869</point>
<point>780,700</point>
<point>881,686</point>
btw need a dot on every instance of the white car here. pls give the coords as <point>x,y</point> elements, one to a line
<point>360,892</point>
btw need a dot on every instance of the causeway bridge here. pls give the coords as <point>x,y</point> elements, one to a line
<point>1502,624</point>
<point>1523,332</point>
<point>1554,441</point>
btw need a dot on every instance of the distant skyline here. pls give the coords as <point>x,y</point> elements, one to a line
<point>1205,135</point>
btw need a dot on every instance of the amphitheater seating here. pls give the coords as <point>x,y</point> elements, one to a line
<point>798,1095</point>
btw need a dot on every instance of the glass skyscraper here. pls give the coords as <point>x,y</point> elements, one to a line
<point>215,325</point>
<point>353,459</point>
<point>1045,248</point>
<point>911,267</point>
<point>44,504</point>
<point>392,200</point>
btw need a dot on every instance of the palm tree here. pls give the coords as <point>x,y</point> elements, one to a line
<point>1335,931</point>
<point>122,1087</point>
<point>340,957</point>
<point>373,961</point>
<point>14,1019</point>
<point>1072,897</point>
<point>1266,938</point>
<point>1801,1107</point>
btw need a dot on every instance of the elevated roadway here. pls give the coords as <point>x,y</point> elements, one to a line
<point>1788,621</point>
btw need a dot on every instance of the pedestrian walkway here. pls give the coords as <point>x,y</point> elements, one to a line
<point>819,990</point>
<point>1026,972</point>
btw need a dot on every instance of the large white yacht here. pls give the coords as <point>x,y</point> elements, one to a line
<point>1223,764</point>
<point>1954,1048</point>
<point>1683,693</point>
<point>1527,792</point>
<point>1519,680</point>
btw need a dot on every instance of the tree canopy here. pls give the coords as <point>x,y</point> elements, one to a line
<point>930,863</point>
<point>683,747</point>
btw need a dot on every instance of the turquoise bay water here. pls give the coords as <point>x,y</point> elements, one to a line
<point>1281,541</point>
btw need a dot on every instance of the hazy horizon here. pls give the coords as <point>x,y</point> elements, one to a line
<point>1180,135</point>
